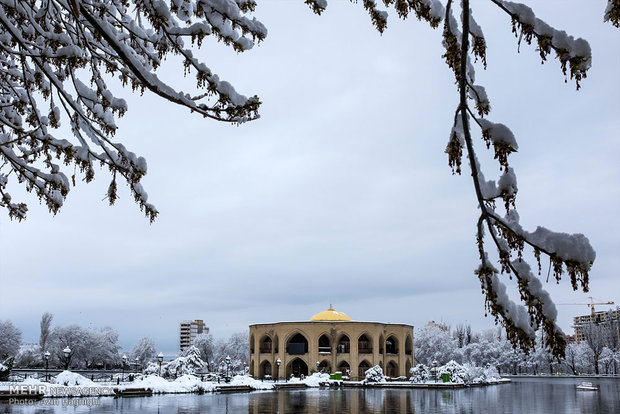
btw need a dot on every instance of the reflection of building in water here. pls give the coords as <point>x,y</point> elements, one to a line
<point>330,341</point>
<point>349,400</point>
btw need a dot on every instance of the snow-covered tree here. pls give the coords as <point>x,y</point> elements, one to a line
<point>188,363</point>
<point>374,374</point>
<point>434,344</point>
<point>206,345</point>
<point>59,58</point>
<point>237,348</point>
<point>88,347</point>
<point>10,339</point>
<point>144,350</point>
<point>420,373</point>
<point>46,323</point>
<point>577,358</point>
<point>29,355</point>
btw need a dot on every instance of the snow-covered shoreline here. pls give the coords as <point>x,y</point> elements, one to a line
<point>69,384</point>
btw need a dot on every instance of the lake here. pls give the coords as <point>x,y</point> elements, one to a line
<point>523,395</point>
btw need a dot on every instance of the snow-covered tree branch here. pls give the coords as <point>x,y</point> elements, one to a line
<point>56,60</point>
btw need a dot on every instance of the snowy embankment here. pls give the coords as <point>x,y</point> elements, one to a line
<point>70,384</point>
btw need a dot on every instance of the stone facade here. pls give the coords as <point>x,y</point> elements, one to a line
<point>337,345</point>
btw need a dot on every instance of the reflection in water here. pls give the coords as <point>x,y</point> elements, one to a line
<point>527,396</point>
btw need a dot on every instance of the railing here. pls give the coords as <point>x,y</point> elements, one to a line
<point>325,349</point>
<point>365,350</point>
<point>265,349</point>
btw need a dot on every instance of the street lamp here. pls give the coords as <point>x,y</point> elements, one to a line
<point>318,364</point>
<point>278,362</point>
<point>47,361</point>
<point>160,358</point>
<point>434,369</point>
<point>124,358</point>
<point>67,352</point>
<point>137,364</point>
<point>227,360</point>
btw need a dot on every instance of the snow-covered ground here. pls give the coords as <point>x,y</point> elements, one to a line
<point>70,384</point>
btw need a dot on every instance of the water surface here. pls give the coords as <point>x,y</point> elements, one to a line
<point>523,395</point>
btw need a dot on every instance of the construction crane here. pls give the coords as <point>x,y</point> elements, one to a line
<point>591,305</point>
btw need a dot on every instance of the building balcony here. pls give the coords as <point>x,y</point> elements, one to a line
<point>365,350</point>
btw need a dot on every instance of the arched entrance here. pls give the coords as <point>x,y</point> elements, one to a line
<point>345,368</point>
<point>297,367</point>
<point>265,369</point>
<point>361,370</point>
<point>325,366</point>
<point>391,369</point>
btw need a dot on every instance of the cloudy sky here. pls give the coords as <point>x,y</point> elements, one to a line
<point>341,193</point>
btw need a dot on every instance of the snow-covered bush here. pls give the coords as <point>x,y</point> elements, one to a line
<point>186,364</point>
<point>71,379</point>
<point>375,374</point>
<point>420,373</point>
<point>457,372</point>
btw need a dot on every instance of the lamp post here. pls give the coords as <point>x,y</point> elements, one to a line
<point>137,364</point>
<point>434,369</point>
<point>227,360</point>
<point>124,361</point>
<point>67,352</point>
<point>160,358</point>
<point>318,364</point>
<point>47,361</point>
<point>278,362</point>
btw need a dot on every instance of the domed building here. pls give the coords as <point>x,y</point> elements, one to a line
<point>330,341</point>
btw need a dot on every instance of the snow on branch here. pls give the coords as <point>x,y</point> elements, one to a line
<point>574,52</point>
<point>50,48</point>
<point>612,12</point>
<point>570,253</point>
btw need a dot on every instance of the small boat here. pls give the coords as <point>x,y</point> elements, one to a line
<point>587,386</point>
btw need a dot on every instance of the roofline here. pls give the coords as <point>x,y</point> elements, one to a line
<point>330,322</point>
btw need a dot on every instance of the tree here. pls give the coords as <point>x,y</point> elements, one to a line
<point>434,344</point>
<point>206,346</point>
<point>10,339</point>
<point>144,350</point>
<point>88,347</point>
<point>46,323</point>
<point>58,58</point>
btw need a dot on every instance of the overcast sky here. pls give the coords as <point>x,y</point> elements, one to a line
<point>341,193</point>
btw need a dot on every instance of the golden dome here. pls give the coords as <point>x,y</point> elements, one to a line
<point>331,315</point>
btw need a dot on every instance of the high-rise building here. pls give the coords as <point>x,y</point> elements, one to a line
<point>188,332</point>
<point>583,322</point>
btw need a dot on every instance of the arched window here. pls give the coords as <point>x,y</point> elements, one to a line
<point>297,345</point>
<point>391,345</point>
<point>361,370</point>
<point>364,345</point>
<point>408,345</point>
<point>344,345</point>
<point>251,344</point>
<point>265,346</point>
<point>324,345</point>
<point>344,368</point>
